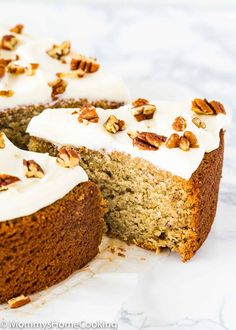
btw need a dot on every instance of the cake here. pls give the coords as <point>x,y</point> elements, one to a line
<point>40,73</point>
<point>51,220</point>
<point>158,165</point>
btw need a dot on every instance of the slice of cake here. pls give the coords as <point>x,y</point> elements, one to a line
<point>36,74</point>
<point>158,164</point>
<point>51,219</point>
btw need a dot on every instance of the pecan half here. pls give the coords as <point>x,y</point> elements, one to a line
<point>17,29</point>
<point>9,42</point>
<point>32,169</point>
<point>114,125</point>
<point>184,143</point>
<point>203,107</point>
<point>88,112</point>
<point>142,110</point>
<point>7,181</point>
<point>147,140</point>
<point>179,124</point>
<point>58,87</point>
<point>18,301</point>
<point>67,157</point>
<point>199,123</point>
<point>2,142</point>
<point>192,139</point>
<point>86,64</point>
<point>173,141</point>
<point>59,51</point>
<point>6,93</point>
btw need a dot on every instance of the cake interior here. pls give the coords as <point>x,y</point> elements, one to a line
<point>147,206</point>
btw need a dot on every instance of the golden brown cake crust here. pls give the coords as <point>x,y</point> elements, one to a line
<point>42,249</point>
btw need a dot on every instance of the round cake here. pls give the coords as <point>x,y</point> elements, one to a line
<point>158,164</point>
<point>51,220</point>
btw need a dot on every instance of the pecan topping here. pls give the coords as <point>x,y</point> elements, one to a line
<point>58,87</point>
<point>17,29</point>
<point>59,51</point>
<point>71,74</point>
<point>185,142</point>
<point>173,141</point>
<point>89,113</point>
<point>192,139</point>
<point>179,124</point>
<point>67,157</point>
<point>9,42</point>
<point>18,301</point>
<point>31,70</point>
<point>15,69</point>
<point>7,180</point>
<point>6,93</point>
<point>114,125</point>
<point>2,142</point>
<point>32,169</point>
<point>198,122</point>
<point>142,110</point>
<point>203,107</point>
<point>147,140</point>
<point>86,64</point>
<point>2,68</point>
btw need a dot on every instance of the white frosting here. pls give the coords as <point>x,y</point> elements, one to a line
<point>62,128</point>
<point>100,85</point>
<point>30,194</point>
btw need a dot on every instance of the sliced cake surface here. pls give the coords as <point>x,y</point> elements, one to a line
<point>157,163</point>
<point>51,220</point>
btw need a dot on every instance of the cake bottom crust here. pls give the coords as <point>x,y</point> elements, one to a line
<point>150,207</point>
<point>44,248</point>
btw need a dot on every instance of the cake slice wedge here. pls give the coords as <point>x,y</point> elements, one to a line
<point>158,165</point>
<point>51,219</point>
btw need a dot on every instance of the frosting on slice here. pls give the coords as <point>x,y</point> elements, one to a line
<point>61,127</point>
<point>30,194</point>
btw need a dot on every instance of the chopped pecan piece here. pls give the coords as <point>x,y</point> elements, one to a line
<point>7,180</point>
<point>142,110</point>
<point>147,140</point>
<point>71,74</point>
<point>173,141</point>
<point>68,157</point>
<point>192,139</point>
<point>32,169</point>
<point>88,112</point>
<point>16,69</point>
<point>9,42</point>
<point>59,51</point>
<point>32,68</point>
<point>198,122</point>
<point>18,301</point>
<point>184,143</point>
<point>179,124</point>
<point>139,102</point>
<point>203,107</point>
<point>2,68</point>
<point>114,125</point>
<point>86,64</point>
<point>58,87</point>
<point>6,93</point>
<point>2,142</point>
<point>17,29</point>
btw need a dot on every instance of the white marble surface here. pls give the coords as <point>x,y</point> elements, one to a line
<point>166,50</point>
